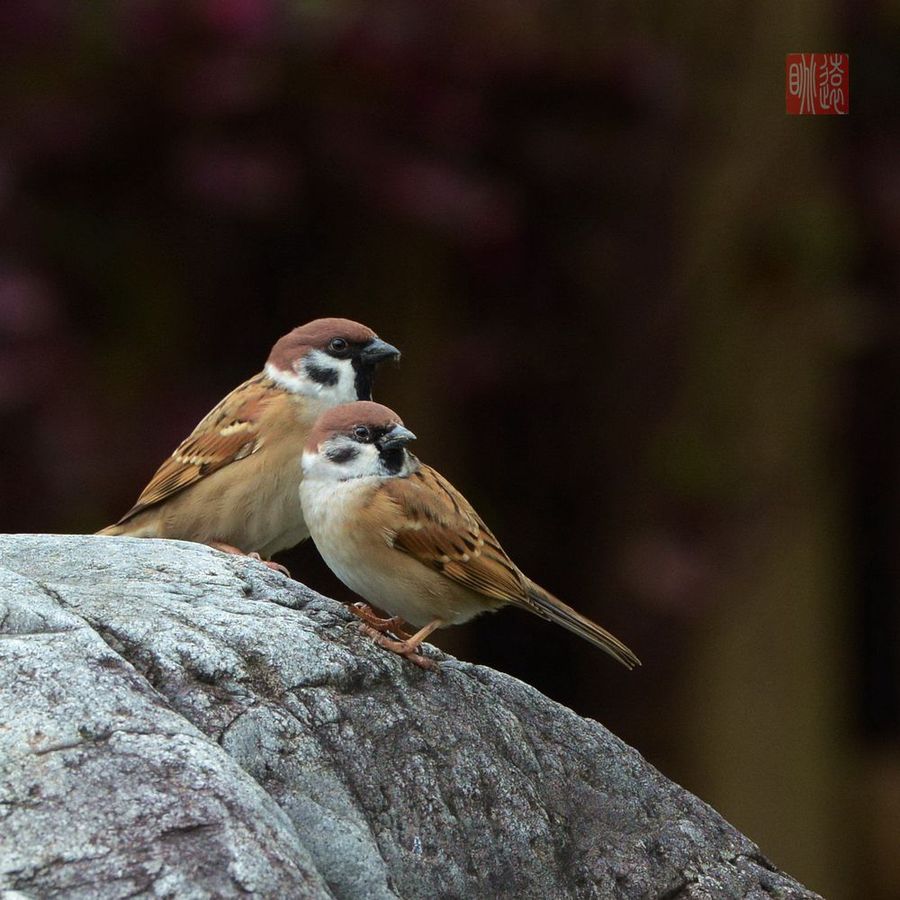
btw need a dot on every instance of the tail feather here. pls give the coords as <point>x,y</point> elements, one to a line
<point>111,529</point>
<point>133,529</point>
<point>548,606</point>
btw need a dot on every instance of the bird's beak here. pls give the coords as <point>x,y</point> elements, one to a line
<point>398,436</point>
<point>377,351</point>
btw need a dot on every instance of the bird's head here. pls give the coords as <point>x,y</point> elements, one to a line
<point>333,360</point>
<point>358,440</point>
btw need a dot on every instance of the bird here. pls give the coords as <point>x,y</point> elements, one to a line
<point>399,535</point>
<point>232,482</point>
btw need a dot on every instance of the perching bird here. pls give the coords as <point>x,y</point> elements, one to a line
<point>401,536</point>
<point>232,483</point>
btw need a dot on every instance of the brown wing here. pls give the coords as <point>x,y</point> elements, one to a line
<point>446,534</point>
<point>227,433</point>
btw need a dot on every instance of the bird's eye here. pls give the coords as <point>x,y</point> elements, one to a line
<point>337,345</point>
<point>361,433</point>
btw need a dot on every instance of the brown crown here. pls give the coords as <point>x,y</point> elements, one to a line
<point>343,419</point>
<point>316,335</point>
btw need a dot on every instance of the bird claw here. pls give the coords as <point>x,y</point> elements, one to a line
<point>405,648</point>
<point>236,551</point>
<point>394,624</point>
<point>274,566</point>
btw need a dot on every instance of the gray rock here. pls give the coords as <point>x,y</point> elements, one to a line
<point>175,722</point>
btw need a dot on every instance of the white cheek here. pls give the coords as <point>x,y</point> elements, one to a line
<point>318,467</point>
<point>309,463</point>
<point>290,381</point>
<point>364,465</point>
<point>299,381</point>
<point>345,389</point>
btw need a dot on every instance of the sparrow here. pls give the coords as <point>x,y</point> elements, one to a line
<point>397,533</point>
<point>232,483</point>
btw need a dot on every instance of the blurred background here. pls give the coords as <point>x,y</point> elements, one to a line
<point>649,326</point>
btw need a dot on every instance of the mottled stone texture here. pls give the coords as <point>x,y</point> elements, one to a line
<point>175,722</point>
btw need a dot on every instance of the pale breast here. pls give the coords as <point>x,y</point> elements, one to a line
<point>329,509</point>
<point>359,552</point>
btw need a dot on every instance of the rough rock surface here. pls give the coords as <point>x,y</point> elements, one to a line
<point>175,722</point>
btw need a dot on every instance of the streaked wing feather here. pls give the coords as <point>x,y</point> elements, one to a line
<point>446,534</point>
<point>227,433</point>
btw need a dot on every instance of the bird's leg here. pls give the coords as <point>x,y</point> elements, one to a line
<point>226,548</point>
<point>410,646</point>
<point>394,624</point>
<point>236,551</point>
<point>274,566</point>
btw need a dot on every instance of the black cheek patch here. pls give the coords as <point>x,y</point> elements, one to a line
<point>322,374</point>
<point>342,454</point>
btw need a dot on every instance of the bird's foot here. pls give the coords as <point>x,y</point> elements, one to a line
<point>236,551</point>
<point>394,624</point>
<point>407,648</point>
<point>274,566</point>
